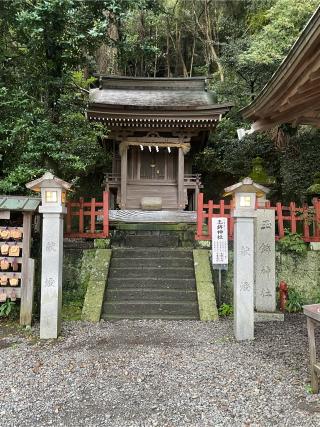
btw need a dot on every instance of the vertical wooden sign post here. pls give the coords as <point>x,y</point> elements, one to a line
<point>219,248</point>
<point>53,192</point>
<point>244,194</point>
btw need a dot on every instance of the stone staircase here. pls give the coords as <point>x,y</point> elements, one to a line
<point>147,281</point>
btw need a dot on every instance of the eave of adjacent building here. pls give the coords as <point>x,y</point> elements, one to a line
<point>293,93</point>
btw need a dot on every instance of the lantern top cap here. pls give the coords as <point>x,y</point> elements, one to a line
<point>48,180</point>
<point>246,186</point>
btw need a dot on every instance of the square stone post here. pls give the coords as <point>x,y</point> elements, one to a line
<point>243,281</point>
<point>53,192</point>
<point>51,276</point>
<point>265,262</point>
<point>244,196</point>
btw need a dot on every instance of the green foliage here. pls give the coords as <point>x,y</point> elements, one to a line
<point>299,162</point>
<point>280,28</point>
<point>292,243</point>
<point>308,389</point>
<point>46,45</point>
<point>314,188</point>
<point>294,302</point>
<point>6,308</point>
<point>225,310</point>
<point>227,160</point>
<point>49,52</point>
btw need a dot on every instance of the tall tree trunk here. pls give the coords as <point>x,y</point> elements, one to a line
<point>107,56</point>
<point>156,55</point>
<point>192,56</point>
<point>180,64</point>
<point>210,40</point>
<point>168,57</point>
<point>207,36</point>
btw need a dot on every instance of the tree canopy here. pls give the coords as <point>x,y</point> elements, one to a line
<point>51,51</point>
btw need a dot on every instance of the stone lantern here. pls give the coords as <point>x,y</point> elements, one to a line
<point>313,192</point>
<point>244,196</point>
<point>53,195</point>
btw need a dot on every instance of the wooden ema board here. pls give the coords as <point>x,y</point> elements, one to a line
<point>9,273</point>
<point>24,266</point>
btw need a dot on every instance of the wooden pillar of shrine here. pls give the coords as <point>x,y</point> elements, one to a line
<point>124,172</point>
<point>181,201</point>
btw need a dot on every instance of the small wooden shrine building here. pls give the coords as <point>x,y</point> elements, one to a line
<point>293,93</point>
<point>155,125</point>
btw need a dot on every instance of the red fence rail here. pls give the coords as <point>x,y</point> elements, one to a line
<point>304,220</point>
<point>88,219</point>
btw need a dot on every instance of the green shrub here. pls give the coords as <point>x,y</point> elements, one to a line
<point>6,308</point>
<point>292,243</point>
<point>294,302</point>
<point>225,310</point>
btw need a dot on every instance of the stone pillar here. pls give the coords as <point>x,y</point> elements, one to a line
<point>244,194</point>
<point>181,201</point>
<point>243,282</point>
<point>124,171</point>
<point>51,276</point>
<point>53,195</point>
<point>265,280</point>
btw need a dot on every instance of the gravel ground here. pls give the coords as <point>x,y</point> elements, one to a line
<point>157,373</point>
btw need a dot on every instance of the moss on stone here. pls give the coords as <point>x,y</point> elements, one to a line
<point>153,227</point>
<point>77,264</point>
<point>205,288</point>
<point>203,244</point>
<point>102,243</point>
<point>91,311</point>
<point>300,273</point>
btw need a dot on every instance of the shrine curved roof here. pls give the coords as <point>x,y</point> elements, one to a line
<point>171,100</point>
<point>155,99</point>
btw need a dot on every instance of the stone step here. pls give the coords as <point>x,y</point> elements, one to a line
<point>142,308</point>
<point>147,294</point>
<point>151,282</point>
<point>156,272</point>
<point>115,317</point>
<point>152,262</point>
<point>154,241</point>
<point>151,278</point>
<point>152,253</point>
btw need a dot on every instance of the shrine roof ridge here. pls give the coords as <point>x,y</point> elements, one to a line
<point>154,99</point>
<point>156,83</point>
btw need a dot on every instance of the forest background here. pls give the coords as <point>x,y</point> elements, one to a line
<point>51,51</point>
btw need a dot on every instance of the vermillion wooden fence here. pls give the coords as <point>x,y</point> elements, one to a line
<point>88,219</point>
<point>304,220</point>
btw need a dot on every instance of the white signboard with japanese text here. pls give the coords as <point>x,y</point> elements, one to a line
<point>219,242</point>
